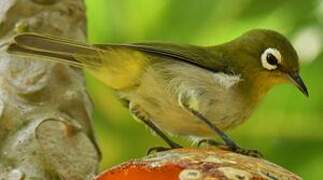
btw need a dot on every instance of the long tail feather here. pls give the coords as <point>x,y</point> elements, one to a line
<point>65,59</point>
<point>58,50</point>
<point>117,66</point>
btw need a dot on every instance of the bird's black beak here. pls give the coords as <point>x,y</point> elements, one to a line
<point>298,82</point>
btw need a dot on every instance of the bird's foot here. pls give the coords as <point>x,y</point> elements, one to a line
<point>158,149</point>
<point>249,152</point>
<point>161,149</point>
<point>210,142</point>
<point>233,148</point>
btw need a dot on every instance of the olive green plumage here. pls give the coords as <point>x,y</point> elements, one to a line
<point>174,87</point>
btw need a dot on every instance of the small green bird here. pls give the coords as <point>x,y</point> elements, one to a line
<point>182,89</point>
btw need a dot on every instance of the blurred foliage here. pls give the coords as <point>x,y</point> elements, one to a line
<point>286,127</point>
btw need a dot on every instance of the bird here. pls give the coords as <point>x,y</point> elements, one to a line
<point>181,89</point>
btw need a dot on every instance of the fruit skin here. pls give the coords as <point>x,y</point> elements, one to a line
<point>191,163</point>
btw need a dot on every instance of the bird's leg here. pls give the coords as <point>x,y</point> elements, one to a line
<point>138,113</point>
<point>228,142</point>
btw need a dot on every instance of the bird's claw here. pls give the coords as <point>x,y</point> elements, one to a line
<point>157,149</point>
<point>235,148</point>
<point>209,142</point>
<point>249,152</point>
<point>161,149</point>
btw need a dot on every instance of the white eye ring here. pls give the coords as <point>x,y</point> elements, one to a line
<point>265,61</point>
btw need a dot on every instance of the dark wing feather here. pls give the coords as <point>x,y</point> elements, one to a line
<point>195,55</point>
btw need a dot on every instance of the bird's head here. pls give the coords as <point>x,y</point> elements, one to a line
<point>267,58</point>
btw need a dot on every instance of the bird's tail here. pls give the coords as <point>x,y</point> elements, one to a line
<point>54,49</point>
<point>117,66</point>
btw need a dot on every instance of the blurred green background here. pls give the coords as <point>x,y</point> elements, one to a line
<point>287,127</point>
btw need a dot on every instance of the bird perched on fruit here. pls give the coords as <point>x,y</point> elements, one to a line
<point>181,89</point>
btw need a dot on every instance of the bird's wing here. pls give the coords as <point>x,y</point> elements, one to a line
<point>195,55</point>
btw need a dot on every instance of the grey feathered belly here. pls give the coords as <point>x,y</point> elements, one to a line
<point>163,83</point>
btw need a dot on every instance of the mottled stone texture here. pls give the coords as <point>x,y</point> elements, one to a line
<point>198,164</point>
<point>45,112</point>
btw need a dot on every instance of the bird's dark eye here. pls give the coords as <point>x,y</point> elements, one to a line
<point>271,59</point>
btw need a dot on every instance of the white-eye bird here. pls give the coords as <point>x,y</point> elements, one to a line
<point>181,89</point>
